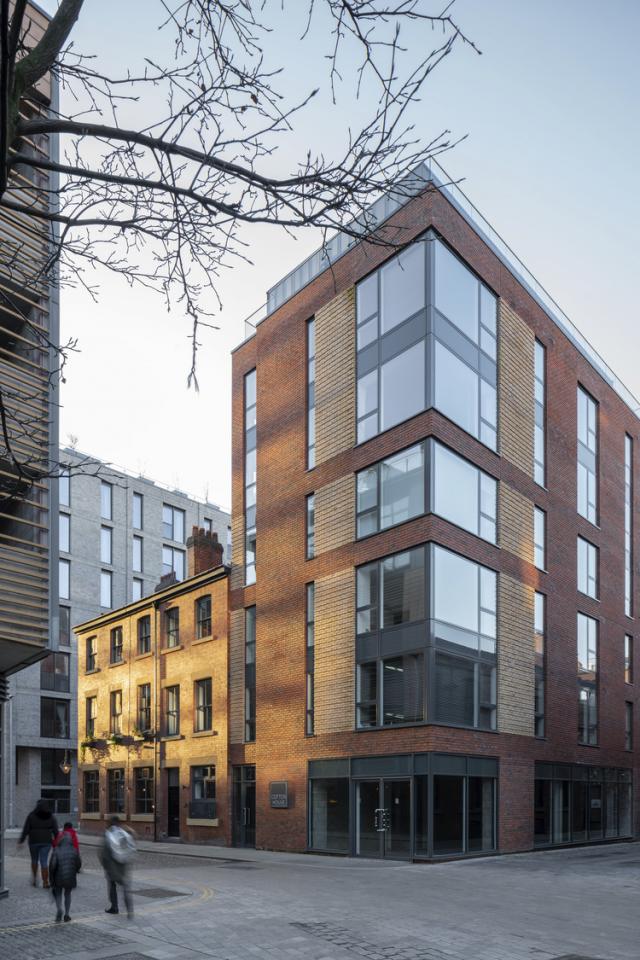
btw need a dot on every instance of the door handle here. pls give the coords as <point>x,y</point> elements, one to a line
<point>379,820</point>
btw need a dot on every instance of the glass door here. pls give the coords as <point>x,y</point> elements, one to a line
<point>244,806</point>
<point>383,818</point>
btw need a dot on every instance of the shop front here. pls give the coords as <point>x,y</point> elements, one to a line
<point>404,807</point>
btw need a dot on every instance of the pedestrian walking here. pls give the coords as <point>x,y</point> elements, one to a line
<point>63,868</point>
<point>67,829</point>
<point>40,827</point>
<point>116,856</point>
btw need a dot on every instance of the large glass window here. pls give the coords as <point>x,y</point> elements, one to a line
<point>329,818</point>
<point>51,772</point>
<point>250,463</point>
<point>394,319</point>
<point>310,630</point>
<point>172,523</point>
<point>628,525</point>
<point>54,718</point>
<point>540,662</point>
<point>464,623</point>
<point>448,815</point>
<point>539,444</point>
<point>64,614</point>
<point>311,393</point>
<point>578,803</point>
<point>587,456</point>
<point>250,674</point>
<point>464,494</point>
<point>54,672</point>
<point>587,568</point>
<point>587,679</point>
<point>397,636</point>
<point>397,489</point>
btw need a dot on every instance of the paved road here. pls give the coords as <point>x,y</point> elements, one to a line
<point>576,905</point>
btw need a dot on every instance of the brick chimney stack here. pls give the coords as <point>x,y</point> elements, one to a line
<point>203,551</point>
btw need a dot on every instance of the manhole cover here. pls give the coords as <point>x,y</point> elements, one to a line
<point>157,893</point>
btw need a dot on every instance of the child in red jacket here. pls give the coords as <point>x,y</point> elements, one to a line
<point>68,828</point>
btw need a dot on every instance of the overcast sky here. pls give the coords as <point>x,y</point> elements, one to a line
<point>551,158</point>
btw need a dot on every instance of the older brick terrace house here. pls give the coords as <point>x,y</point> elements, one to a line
<point>152,704</point>
<point>433,589</point>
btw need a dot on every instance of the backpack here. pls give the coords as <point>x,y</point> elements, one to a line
<point>121,845</point>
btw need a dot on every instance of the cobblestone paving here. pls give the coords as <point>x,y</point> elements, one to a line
<point>560,905</point>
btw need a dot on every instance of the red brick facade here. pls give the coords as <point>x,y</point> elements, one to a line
<point>278,352</point>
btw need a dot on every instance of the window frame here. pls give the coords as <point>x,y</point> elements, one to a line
<point>91,791</point>
<point>116,644</point>
<point>591,572</point>
<point>143,638</point>
<point>106,500</point>
<point>116,701</point>
<point>204,625</point>
<point>171,716</point>
<point>250,619</point>
<point>310,526</point>
<point>584,453</point>
<point>540,548</point>
<point>203,712</point>
<point>172,628</point>
<point>137,498</point>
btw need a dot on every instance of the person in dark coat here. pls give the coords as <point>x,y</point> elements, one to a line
<point>63,869</point>
<point>40,827</point>
<point>116,855</point>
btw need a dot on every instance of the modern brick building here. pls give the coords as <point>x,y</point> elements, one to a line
<point>433,588</point>
<point>152,696</point>
<point>29,335</point>
<point>118,534</point>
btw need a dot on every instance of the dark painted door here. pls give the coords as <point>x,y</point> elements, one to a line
<point>244,806</point>
<point>173,802</point>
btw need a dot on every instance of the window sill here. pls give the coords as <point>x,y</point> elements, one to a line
<point>202,640</point>
<point>116,813</point>
<point>88,673</point>
<point>141,817</point>
<point>178,646</point>
<point>118,663</point>
<point>425,723</point>
<point>192,822</point>
<point>143,656</point>
<point>204,733</point>
<point>91,816</point>
<point>172,736</point>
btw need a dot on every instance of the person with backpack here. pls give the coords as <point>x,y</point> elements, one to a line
<point>116,856</point>
<point>40,827</point>
<point>68,828</point>
<point>63,868</point>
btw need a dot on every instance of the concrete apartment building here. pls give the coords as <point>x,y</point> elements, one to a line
<point>29,332</point>
<point>152,696</point>
<point>119,534</point>
<point>433,588</point>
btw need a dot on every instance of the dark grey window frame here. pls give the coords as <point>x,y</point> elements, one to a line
<point>540,412</point>
<point>310,331</point>
<point>250,625</point>
<point>428,445</point>
<point>203,711</point>
<point>588,777</point>
<point>421,637</point>
<point>49,705</point>
<point>143,789</point>
<point>430,327</point>
<point>91,791</point>
<point>60,681</point>
<point>589,459</point>
<point>310,628</point>
<point>588,683</point>
<point>310,526</point>
<point>250,410</point>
